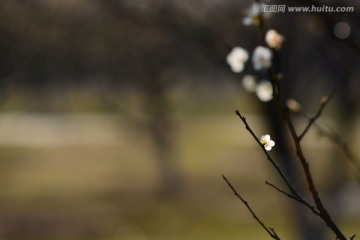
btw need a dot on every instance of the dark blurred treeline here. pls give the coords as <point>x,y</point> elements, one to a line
<point>48,45</point>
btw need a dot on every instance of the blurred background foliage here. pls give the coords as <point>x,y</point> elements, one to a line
<point>117,118</point>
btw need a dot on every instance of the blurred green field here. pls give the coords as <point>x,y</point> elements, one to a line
<point>110,191</point>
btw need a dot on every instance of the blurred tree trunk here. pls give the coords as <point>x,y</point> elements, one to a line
<point>160,125</point>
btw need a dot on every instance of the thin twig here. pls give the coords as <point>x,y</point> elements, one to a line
<point>269,158</point>
<point>281,190</point>
<point>333,136</point>
<point>300,200</point>
<point>309,179</point>
<point>285,115</point>
<point>294,192</point>
<point>323,102</point>
<point>269,230</point>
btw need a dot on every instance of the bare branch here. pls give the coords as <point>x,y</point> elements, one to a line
<point>323,102</point>
<point>269,158</point>
<point>295,197</point>
<point>324,215</point>
<point>294,192</point>
<point>333,136</point>
<point>319,209</point>
<point>269,230</point>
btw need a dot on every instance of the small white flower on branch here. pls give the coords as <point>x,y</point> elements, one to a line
<point>274,39</point>
<point>249,83</point>
<point>267,142</point>
<point>236,59</point>
<point>252,15</point>
<point>264,91</point>
<point>262,58</point>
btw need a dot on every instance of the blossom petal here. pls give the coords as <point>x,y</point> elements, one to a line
<point>262,58</point>
<point>237,67</point>
<point>274,39</point>
<point>264,91</point>
<point>236,59</point>
<point>267,148</point>
<point>266,137</point>
<point>266,141</point>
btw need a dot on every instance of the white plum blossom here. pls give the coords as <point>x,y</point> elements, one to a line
<point>237,58</point>
<point>264,90</point>
<point>274,39</point>
<point>266,141</point>
<point>249,83</point>
<point>252,15</point>
<point>262,58</point>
